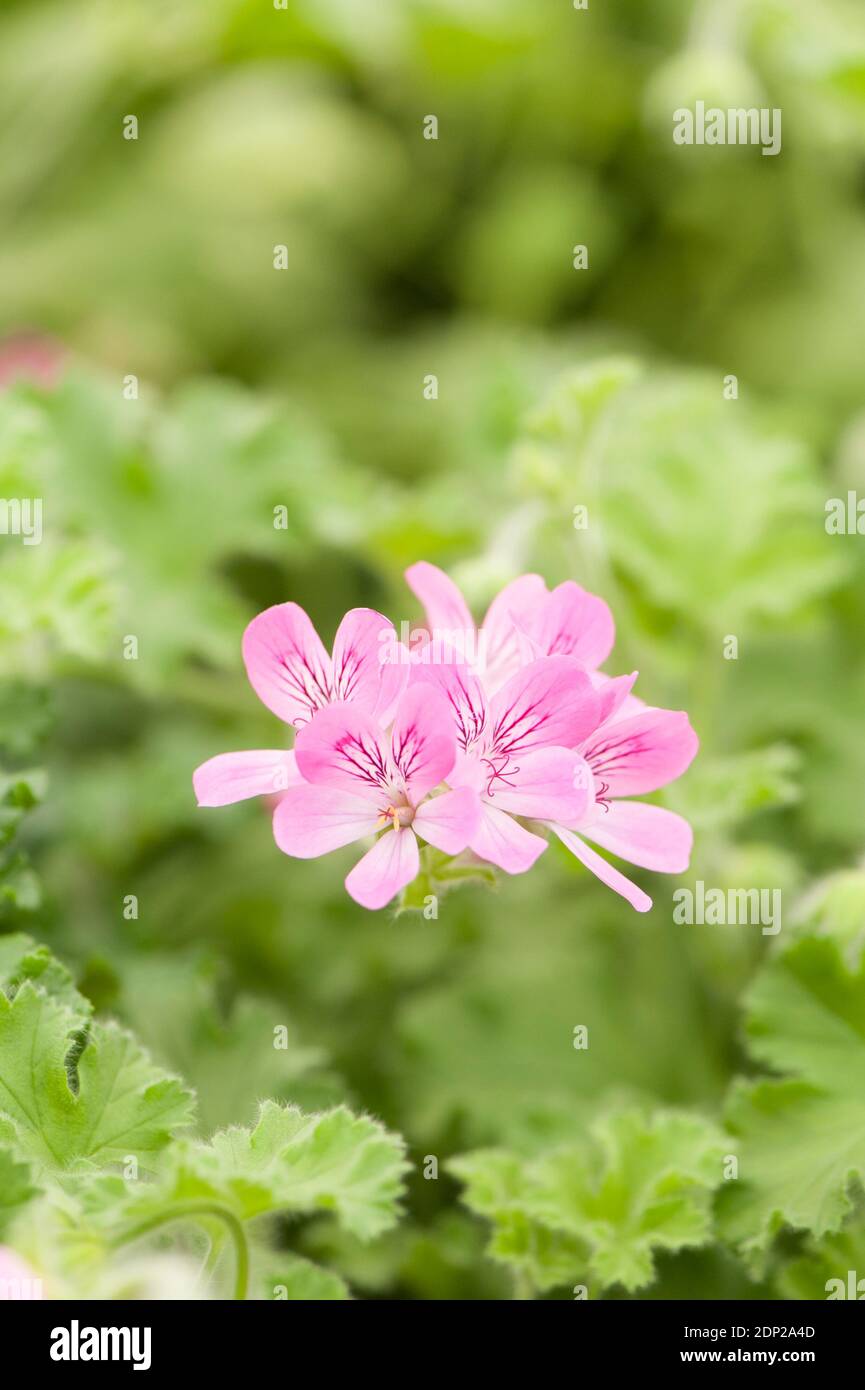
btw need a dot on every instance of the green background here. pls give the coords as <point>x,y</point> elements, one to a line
<point>303,388</point>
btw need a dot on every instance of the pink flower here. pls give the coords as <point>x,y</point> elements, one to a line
<point>516,751</point>
<point>17,1279</point>
<point>30,357</point>
<point>524,620</point>
<point>631,754</point>
<point>293,675</point>
<point>358,781</point>
<point>570,621</point>
<point>514,718</point>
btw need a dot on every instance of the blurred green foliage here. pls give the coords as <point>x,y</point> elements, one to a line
<point>303,390</point>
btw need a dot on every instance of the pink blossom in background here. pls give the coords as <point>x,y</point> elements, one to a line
<point>30,357</point>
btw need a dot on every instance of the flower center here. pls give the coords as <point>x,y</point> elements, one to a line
<point>400,813</point>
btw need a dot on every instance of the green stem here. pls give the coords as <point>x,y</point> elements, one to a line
<point>196,1210</point>
<point>211,1260</point>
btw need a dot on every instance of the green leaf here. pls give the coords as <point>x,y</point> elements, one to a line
<point>578,395</point>
<point>650,1191</point>
<point>299,1279</point>
<point>810,1275</point>
<point>19,887</point>
<point>21,958</point>
<point>68,1098</point>
<point>26,716</point>
<point>499,1187</point>
<point>705,512</point>
<point>600,1209</point>
<point>724,791</point>
<point>171,1004</point>
<point>490,1032</point>
<point>800,1140</point>
<point>19,793</point>
<point>56,598</point>
<point>835,907</point>
<point>16,1188</point>
<point>290,1162</point>
<point>20,890</point>
<point>214,450</point>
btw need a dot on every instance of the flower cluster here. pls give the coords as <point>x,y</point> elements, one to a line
<point>460,738</point>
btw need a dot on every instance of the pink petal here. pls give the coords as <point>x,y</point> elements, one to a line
<point>394,679</point>
<point>343,747</point>
<point>501,840</point>
<point>614,693</point>
<point>462,691</point>
<point>602,870</point>
<point>366,652</point>
<point>310,821</point>
<point>470,770</point>
<point>641,753</point>
<point>502,642</point>
<point>549,702</point>
<point>423,741</point>
<point>385,869</point>
<point>288,667</point>
<point>449,821</point>
<point>545,783</point>
<point>646,835</point>
<point>446,609</point>
<point>233,777</point>
<point>621,708</point>
<point>573,622</point>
